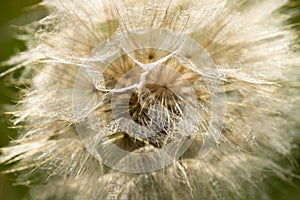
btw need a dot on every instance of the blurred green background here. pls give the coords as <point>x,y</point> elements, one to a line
<point>16,12</point>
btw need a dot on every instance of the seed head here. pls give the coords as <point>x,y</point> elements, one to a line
<point>156,99</point>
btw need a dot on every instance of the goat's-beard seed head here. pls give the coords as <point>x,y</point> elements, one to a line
<point>127,99</point>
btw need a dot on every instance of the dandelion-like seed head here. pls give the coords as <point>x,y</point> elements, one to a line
<point>156,100</point>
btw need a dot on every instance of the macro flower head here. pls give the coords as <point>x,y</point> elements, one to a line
<point>151,99</point>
